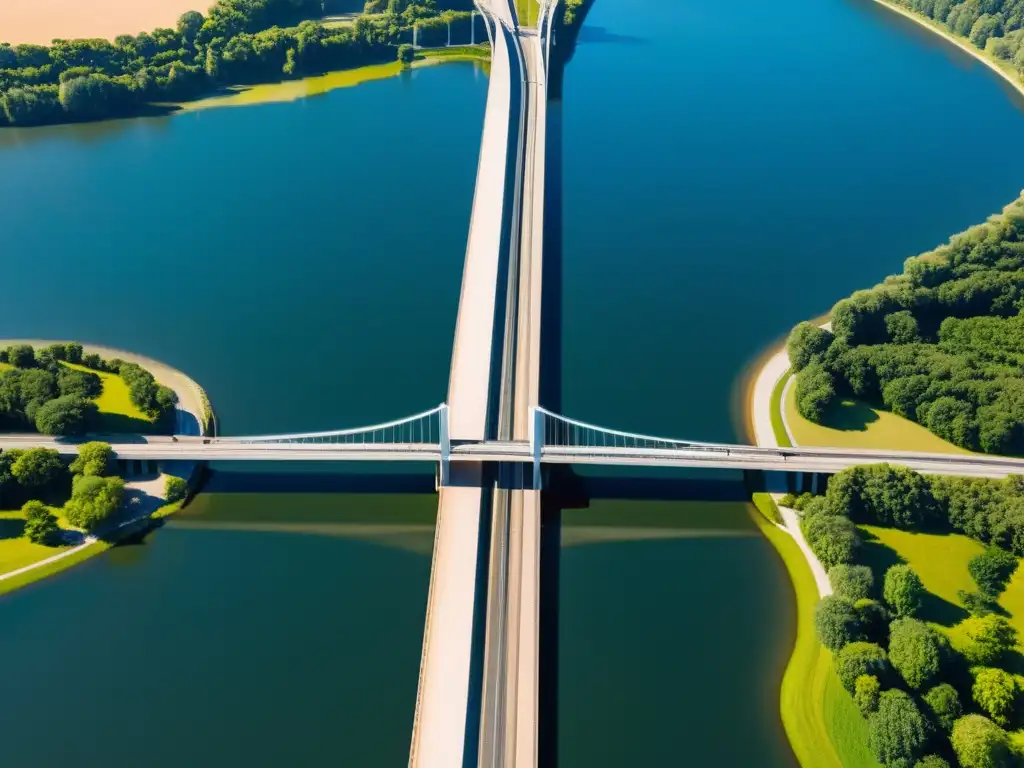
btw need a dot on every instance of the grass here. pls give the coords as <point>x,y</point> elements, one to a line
<point>847,728</point>
<point>117,411</point>
<point>766,506</point>
<point>527,11</point>
<point>805,681</point>
<point>481,52</point>
<point>853,424</point>
<point>778,425</point>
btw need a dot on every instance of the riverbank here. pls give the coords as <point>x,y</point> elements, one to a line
<point>143,496</point>
<point>1004,69</point>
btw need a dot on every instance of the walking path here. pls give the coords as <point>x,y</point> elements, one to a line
<point>761,417</point>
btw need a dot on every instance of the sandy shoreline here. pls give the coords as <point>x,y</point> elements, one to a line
<point>933,26</point>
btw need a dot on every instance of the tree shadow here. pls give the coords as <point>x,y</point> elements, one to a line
<point>849,416</point>
<point>12,528</point>
<point>881,557</point>
<point>114,423</point>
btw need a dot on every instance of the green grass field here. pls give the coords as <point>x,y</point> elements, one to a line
<point>15,550</point>
<point>527,11</point>
<point>117,411</point>
<point>805,680</point>
<point>852,424</point>
<point>847,728</point>
<point>778,426</point>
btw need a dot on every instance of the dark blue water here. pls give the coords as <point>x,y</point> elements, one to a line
<point>728,171</point>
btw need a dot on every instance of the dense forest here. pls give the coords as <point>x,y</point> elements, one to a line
<point>239,41</point>
<point>941,344</point>
<point>995,26</point>
<point>933,695</point>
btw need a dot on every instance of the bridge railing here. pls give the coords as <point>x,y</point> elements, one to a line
<point>420,429</point>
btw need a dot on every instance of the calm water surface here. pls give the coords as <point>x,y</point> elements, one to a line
<point>728,171</point>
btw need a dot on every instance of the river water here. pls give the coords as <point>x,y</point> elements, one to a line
<point>727,171</point>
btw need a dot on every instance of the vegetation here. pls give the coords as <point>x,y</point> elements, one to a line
<point>239,41</point>
<point>994,26</point>
<point>778,425</point>
<point>175,489</point>
<point>43,389</point>
<point>941,344</point>
<point>938,666</point>
<point>766,506</point>
<point>40,524</point>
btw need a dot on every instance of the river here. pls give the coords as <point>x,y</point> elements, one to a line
<point>727,171</point>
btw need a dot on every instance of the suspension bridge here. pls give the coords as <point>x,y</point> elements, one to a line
<point>551,439</point>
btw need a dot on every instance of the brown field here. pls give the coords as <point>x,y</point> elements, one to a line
<point>40,21</point>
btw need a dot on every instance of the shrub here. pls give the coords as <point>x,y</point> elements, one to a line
<point>858,658</point>
<point>874,621</point>
<point>866,690</point>
<point>990,638</point>
<point>980,743</point>
<point>931,761</point>
<point>807,342</point>
<point>73,352</point>
<point>406,53</point>
<point>944,704</point>
<point>852,582</point>
<point>833,539</point>
<point>40,524</point>
<point>916,651</point>
<point>175,488</point>
<point>991,570</point>
<point>995,691</point>
<point>79,383</point>
<point>788,501</point>
<point>903,590</point>
<point>897,730</point>
<point>836,622</point>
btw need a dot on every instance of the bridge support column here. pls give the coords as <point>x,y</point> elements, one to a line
<point>446,447</point>
<point>536,444</point>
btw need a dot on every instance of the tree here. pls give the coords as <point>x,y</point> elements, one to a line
<point>991,570</point>
<point>175,488</point>
<point>79,383</point>
<point>980,743</point>
<point>69,415</point>
<point>93,500</point>
<point>94,459</point>
<point>40,524</point>
<point>21,356</point>
<point>836,622</point>
<point>815,392</point>
<point>916,651</point>
<point>859,658</point>
<point>931,761</point>
<point>897,730</point>
<point>852,582</point>
<point>903,590</point>
<point>37,468</point>
<point>990,638</point>
<point>212,63</point>
<point>866,690</point>
<point>807,342</point>
<point>943,703</point>
<point>995,691</point>
<point>833,538</point>
<point>902,327</point>
<point>406,54</point>
<point>73,352</point>
<point>189,25</point>
<point>874,621</point>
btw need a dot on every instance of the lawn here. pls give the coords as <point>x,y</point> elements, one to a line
<point>117,411</point>
<point>527,11</point>
<point>17,551</point>
<point>846,726</point>
<point>805,682</point>
<point>853,424</point>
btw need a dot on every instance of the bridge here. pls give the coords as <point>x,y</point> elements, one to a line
<point>477,700</point>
